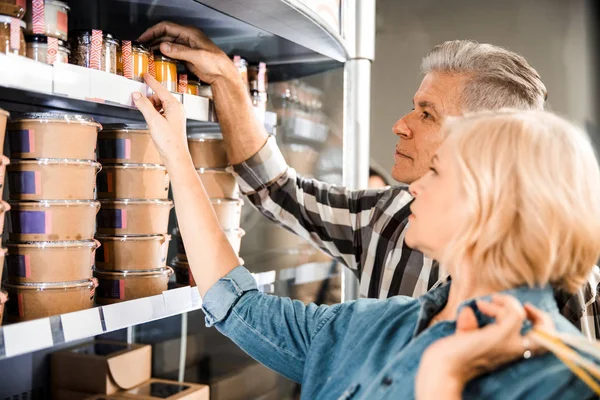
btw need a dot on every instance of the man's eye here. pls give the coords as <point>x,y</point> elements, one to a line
<point>425,115</point>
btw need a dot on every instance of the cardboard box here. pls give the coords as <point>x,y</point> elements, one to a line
<point>163,389</point>
<point>101,367</point>
<point>72,81</point>
<point>26,74</point>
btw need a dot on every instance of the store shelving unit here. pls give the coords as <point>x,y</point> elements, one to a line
<point>294,41</point>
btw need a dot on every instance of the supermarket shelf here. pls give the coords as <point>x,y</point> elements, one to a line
<point>30,336</point>
<point>18,100</point>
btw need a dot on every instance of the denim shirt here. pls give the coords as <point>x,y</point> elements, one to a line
<point>371,349</point>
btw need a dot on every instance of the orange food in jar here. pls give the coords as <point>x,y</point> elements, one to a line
<point>193,87</point>
<point>166,71</point>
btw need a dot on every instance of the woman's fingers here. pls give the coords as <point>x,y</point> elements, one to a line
<point>466,320</point>
<point>147,109</point>
<point>538,317</point>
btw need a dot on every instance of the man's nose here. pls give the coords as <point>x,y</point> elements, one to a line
<point>401,128</point>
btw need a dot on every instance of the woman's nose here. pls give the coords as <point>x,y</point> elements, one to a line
<point>412,189</point>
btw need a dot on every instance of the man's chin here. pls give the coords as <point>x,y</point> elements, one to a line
<point>399,174</point>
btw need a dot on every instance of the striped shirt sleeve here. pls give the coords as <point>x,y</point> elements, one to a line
<point>335,219</point>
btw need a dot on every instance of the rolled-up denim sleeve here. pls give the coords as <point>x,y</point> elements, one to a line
<point>275,331</point>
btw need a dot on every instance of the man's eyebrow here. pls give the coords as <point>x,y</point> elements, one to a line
<point>428,104</point>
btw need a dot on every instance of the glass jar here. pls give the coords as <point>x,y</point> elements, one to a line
<point>193,87</point>
<point>81,50</point>
<point>166,71</point>
<point>12,9</point>
<point>5,47</point>
<point>56,19</point>
<point>242,66</point>
<point>140,57</point>
<point>37,49</point>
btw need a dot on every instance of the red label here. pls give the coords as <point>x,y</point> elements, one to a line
<point>183,83</point>
<point>96,53</point>
<point>22,3</point>
<point>127,59</point>
<point>51,50</point>
<point>37,17</point>
<point>62,21</point>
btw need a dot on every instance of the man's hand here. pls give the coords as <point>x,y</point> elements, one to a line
<point>202,57</point>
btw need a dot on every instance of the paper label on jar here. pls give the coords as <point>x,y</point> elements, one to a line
<point>51,50</point>
<point>111,289</point>
<point>126,52</point>
<point>31,222</point>
<point>112,218</point>
<point>62,22</point>
<point>37,17</point>
<point>21,141</point>
<point>18,265</point>
<point>105,182</point>
<point>151,66</point>
<point>114,148</point>
<point>182,83</point>
<point>25,182</point>
<point>15,34</point>
<point>96,52</point>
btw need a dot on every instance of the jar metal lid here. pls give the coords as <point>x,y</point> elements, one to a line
<point>59,4</point>
<point>7,20</point>
<point>138,46</point>
<point>55,117</point>
<point>87,33</point>
<point>44,39</point>
<point>159,55</point>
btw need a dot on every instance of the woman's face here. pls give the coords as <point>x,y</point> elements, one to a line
<point>439,209</point>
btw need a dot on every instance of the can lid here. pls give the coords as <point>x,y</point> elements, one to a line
<point>52,161</point>
<point>226,201</point>
<point>212,171</point>
<point>201,136</point>
<point>134,166</point>
<point>55,117</point>
<point>119,202</point>
<point>43,39</point>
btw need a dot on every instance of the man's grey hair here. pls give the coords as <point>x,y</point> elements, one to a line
<point>499,78</point>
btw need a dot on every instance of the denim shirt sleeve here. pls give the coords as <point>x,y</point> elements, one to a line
<point>275,331</point>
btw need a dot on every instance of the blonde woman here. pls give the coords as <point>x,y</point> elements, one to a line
<point>509,207</point>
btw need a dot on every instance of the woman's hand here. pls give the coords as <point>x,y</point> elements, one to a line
<point>204,58</point>
<point>166,121</point>
<point>448,364</point>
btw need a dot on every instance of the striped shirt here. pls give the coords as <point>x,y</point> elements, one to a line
<point>364,230</point>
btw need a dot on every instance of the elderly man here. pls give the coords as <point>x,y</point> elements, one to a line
<point>365,229</point>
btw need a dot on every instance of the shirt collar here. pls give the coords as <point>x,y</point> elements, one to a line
<point>433,302</point>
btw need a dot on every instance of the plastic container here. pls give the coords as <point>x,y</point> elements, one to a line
<point>44,262</point>
<point>81,51</point>
<point>183,275</point>
<point>33,301</point>
<point>133,181</point>
<point>207,150</point>
<point>229,212</point>
<point>127,253</point>
<point>7,46</point>
<point>58,220</point>
<point>127,144</point>
<point>53,135</point>
<point>134,217</point>
<point>37,49</point>
<point>56,19</point>
<point>140,60</point>
<point>166,71</point>
<point>115,287</point>
<point>52,179</point>
<point>219,183</point>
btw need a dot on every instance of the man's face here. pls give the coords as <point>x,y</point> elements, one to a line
<point>419,131</point>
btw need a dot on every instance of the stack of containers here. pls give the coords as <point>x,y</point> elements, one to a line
<point>51,246</point>
<point>210,159</point>
<point>4,207</point>
<point>133,222</point>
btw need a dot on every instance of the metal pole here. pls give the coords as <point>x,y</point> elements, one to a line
<point>183,347</point>
<point>359,32</point>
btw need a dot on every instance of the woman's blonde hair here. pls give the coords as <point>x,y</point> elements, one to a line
<point>532,186</point>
